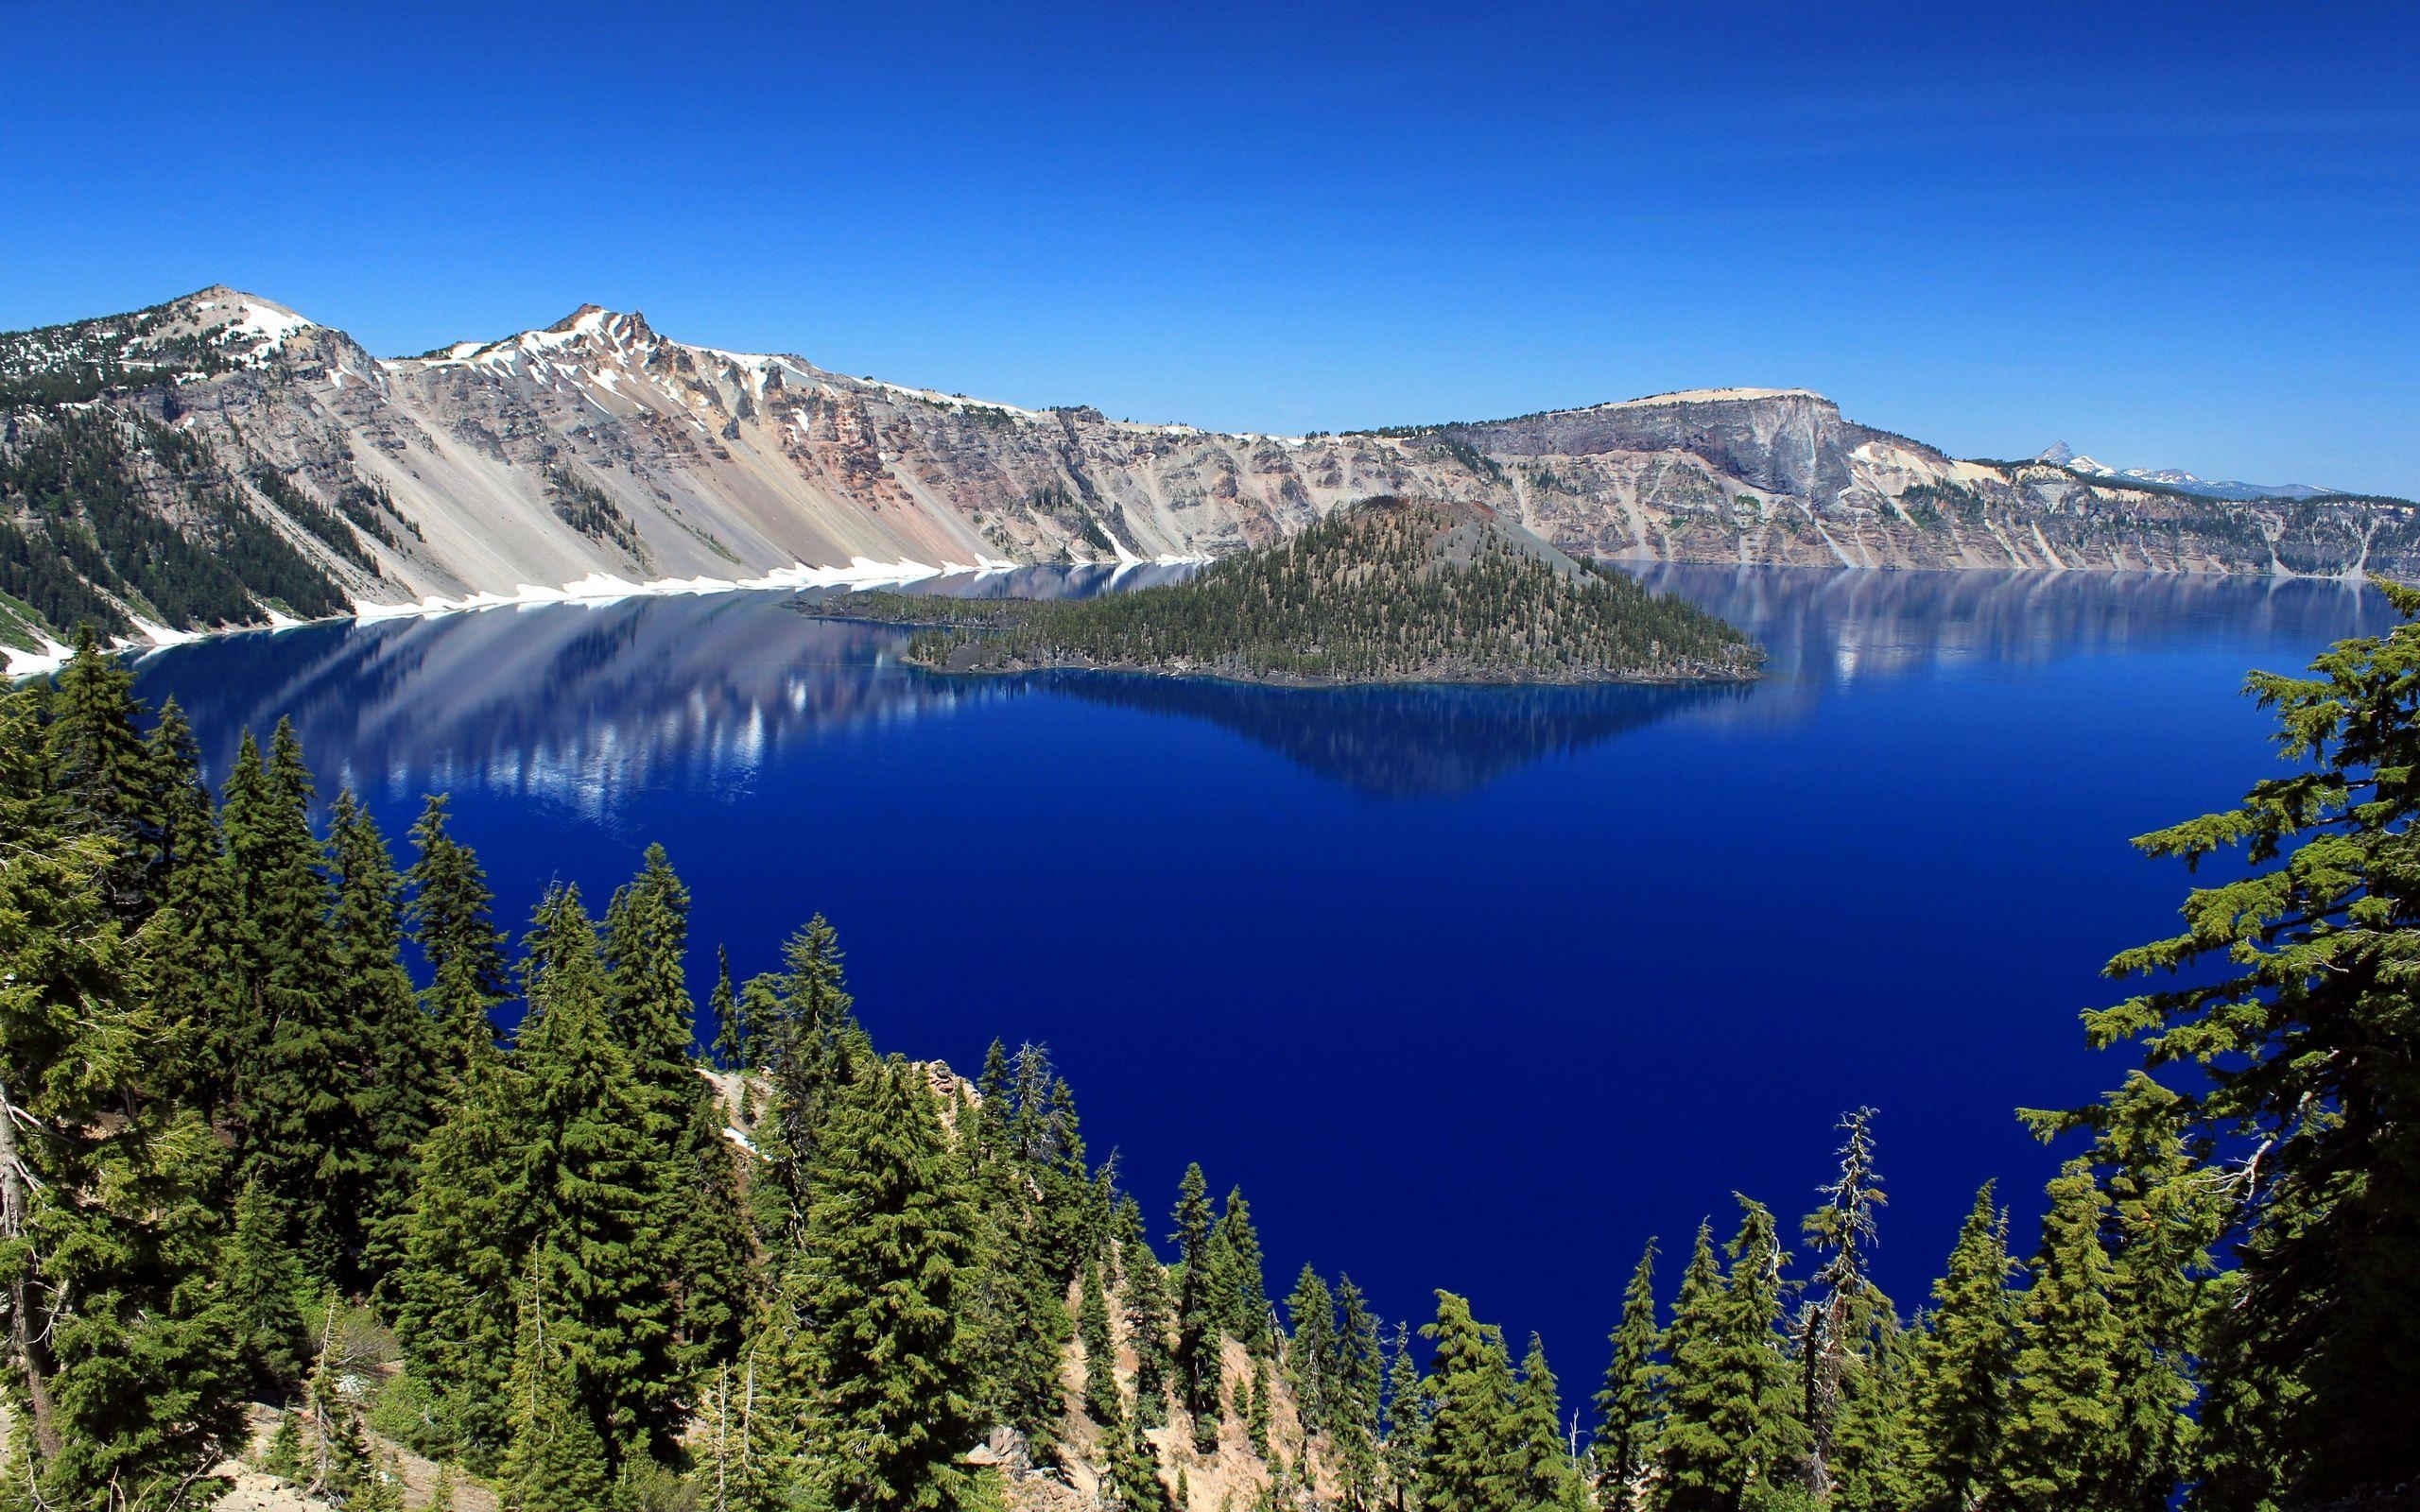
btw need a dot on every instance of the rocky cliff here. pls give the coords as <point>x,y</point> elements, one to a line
<point>220,458</point>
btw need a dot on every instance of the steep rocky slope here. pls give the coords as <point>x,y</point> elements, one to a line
<point>219,458</point>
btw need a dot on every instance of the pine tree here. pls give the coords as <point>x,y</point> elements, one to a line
<point>1873,1441</point>
<point>1144,1292</point>
<point>1406,1421</point>
<point>1731,1431</point>
<point>1198,1363</point>
<point>2280,991</point>
<point>301,1097</point>
<point>1355,1396</point>
<point>647,936</point>
<point>101,770</point>
<point>891,1241</point>
<point>1837,1326</point>
<point>264,1285</point>
<point>1547,1478</point>
<point>118,1361</point>
<point>1311,1354</point>
<point>1100,1355</point>
<point>196,944</point>
<point>2066,1445</point>
<point>1959,1385</point>
<point>1133,1481</point>
<point>1627,1407</point>
<point>805,1030</point>
<point>555,1460</point>
<point>396,1103</point>
<point>1470,1449</point>
<point>599,1252</point>
<point>451,917</point>
<point>470,1225</point>
<point>1240,1280</point>
<point>731,1028</point>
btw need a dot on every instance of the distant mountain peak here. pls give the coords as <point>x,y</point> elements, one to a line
<point>2059,454</point>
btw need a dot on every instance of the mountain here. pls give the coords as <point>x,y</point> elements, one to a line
<point>2061,454</point>
<point>222,459</point>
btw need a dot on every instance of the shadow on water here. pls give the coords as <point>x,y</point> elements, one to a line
<point>577,704</point>
<point>1400,742</point>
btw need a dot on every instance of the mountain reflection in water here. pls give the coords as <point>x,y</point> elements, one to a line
<point>577,704</point>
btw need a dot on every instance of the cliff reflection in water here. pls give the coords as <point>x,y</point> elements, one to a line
<point>577,704</point>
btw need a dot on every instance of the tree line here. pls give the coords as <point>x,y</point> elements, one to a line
<point>261,1139</point>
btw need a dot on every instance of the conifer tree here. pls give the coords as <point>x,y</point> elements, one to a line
<point>1470,1455</point>
<point>1311,1353</point>
<point>555,1460</point>
<point>264,1283</point>
<point>1873,1442</point>
<point>301,1097</point>
<point>731,1028</point>
<point>195,942</point>
<point>1133,1482</point>
<point>451,917</point>
<point>891,1241</point>
<point>1100,1355</point>
<point>118,1362</point>
<point>1627,1407</point>
<point>805,1030</point>
<point>1354,1401</point>
<point>1837,1326</point>
<point>1959,1385</point>
<point>396,1102</point>
<point>1198,1362</point>
<point>1240,1280</point>
<point>101,770</point>
<point>2305,1123</point>
<point>2066,1438</point>
<point>1406,1421</point>
<point>1546,1477</point>
<point>1731,1433</point>
<point>1144,1292</point>
<point>599,1256</point>
<point>470,1225</point>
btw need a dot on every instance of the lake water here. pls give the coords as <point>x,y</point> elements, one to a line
<point>1467,988</point>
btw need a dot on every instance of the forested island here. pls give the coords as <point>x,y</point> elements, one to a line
<point>279,1200</point>
<point>1389,589</point>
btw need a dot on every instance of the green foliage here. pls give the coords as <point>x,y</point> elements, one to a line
<point>1960,1373</point>
<point>1470,1458</point>
<point>1390,590</point>
<point>1731,1434</point>
<point>1629,1404</point>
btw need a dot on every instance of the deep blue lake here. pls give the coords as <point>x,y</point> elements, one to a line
<point>1467,988</point>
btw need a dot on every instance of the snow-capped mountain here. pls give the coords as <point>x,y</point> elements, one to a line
<point>2060,455</point>
<point>251,461</point>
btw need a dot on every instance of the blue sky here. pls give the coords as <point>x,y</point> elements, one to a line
<point>2169,236</point>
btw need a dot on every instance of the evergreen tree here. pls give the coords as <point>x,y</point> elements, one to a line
<point>196,941</point>
<point>731,1028</point>
<point>1311,1354</point>
<point>302,1095</point>
<point>1470,1450</point>
<point>1198,1362</point>
<point>264,1283</point>
<point>1406,1421</point>
<point>451,917</point>
<point>2309,959</point>
<point>120,1368</point>
<point>470,1225</point>
<point>1240,1281</point>
<point>1101,1354</point>
<point>1547,1478</point>
<point>1874,1440</point>
<point>891,1241</point>
<point>1133,1480</point>
<point>600,1255</point>
<point>1354,1400</point>
<point>1627,1407</point>
<point>556,1461</point>
<point>805,1031</point>
<point>1837,1326</point>
<point>1143,1291</point>
<point>396,1103</point>
<point>102,770</point>
<point>2065,1436</point>
<point>1959,1385</point>
<point>1731,1433</point>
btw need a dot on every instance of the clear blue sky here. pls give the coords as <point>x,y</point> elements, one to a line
<point>2171,237</point>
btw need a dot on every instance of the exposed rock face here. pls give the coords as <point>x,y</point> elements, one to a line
<point>599,446</point>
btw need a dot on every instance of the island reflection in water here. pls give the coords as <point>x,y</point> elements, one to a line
<point>575,704</point>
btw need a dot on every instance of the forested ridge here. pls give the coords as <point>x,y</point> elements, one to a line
<point>1384,590</point>
<point>260,1141</point>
